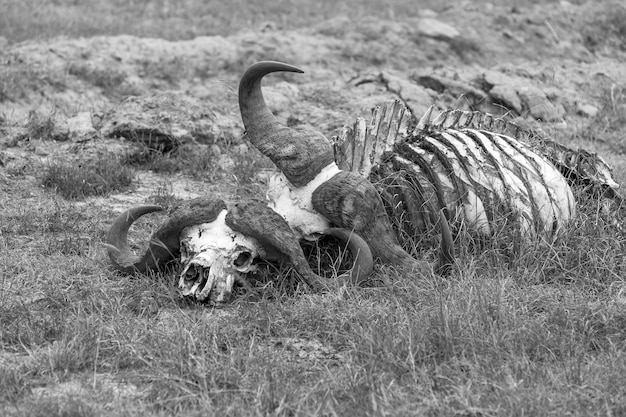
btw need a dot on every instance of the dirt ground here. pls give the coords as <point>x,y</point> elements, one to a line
<point>556,65</point>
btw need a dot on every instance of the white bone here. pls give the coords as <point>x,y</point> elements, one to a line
<point>295,204</point>
<point>212,248</point>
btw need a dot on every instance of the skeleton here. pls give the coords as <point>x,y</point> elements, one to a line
<point>462,167</point>
<point>580,168</point>
<point>457,167</point>
<point>310,197</point>
<point>473,166</point>
<point>305,157</point>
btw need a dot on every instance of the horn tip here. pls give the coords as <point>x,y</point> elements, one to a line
<point>446,254</point>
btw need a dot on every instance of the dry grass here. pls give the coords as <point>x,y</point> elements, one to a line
<point>532,337</point>
<point>75,181</point>
<point>177,19</point>
<point>535,330</point>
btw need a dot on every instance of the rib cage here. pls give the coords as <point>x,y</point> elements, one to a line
<point>580,167</point>
<point>461,162</point>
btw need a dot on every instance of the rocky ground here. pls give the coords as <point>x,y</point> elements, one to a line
<point>557,66</point>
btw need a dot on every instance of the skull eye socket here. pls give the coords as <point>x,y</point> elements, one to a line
<point>243,258</point>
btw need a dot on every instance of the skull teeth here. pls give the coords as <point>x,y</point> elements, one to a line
<point>196,275</point>
<point>191,274</point>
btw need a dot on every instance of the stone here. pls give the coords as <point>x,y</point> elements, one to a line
<point>586,109</point>
<point>80,127</point>
<point>437,29</point>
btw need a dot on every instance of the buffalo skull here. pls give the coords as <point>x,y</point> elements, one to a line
<point>218,246</point>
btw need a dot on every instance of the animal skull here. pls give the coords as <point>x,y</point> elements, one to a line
<point>214,257</point>
<point>217,246</point>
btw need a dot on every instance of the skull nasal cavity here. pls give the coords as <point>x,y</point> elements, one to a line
<point>193,273</point>
<point>242,259</point>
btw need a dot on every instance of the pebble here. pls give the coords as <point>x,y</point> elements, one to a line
<point>587,110</point>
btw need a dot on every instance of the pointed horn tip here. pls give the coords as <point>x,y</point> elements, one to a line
<point>134,213</point>
<point>261,68</point>
<point>447,253</point>
<point>279,66</point>
<point>122,223</point>
<point>116,240</point>
<point>363,258</point>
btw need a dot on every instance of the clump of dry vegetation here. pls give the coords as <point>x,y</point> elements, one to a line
<point>540,331</point>
<point>77,180</point>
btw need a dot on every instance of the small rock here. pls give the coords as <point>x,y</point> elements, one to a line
<point>427,13</point>
<point>80,126</point>
<point>587,110</point>
<point>268,26</point>
<point>335,26</point>
<point>60,131</point>
<point>414,96</point>
<point>436,29</point>
<point>539,106</point>
<point>508,96</point>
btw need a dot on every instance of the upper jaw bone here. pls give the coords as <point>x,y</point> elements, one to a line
<point>212,281</point>
<point>216,256</point>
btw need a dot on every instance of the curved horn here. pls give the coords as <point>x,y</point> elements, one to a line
<point>121,255</point>
<point>350,201</point>
<point>446,250</point>
<point>164,244</point>
<point>363,259</point>
<point>257,117</point>
<point>299,153</point>
<point>272,231</point>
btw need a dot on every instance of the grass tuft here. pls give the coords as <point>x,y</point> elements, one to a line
<point>75,181</point>
<point>13,384</point>
<point>61,406</point>
<point>40,127</point>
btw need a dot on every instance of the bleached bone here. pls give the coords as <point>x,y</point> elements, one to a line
<point>214,257</point>
<point>294,204</point>
<point>312,194</point>
<point>347,199</point>
<point>451,161</point>
<point>578,166</point>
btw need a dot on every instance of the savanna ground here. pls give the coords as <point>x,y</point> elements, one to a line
<point>107,105</point>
